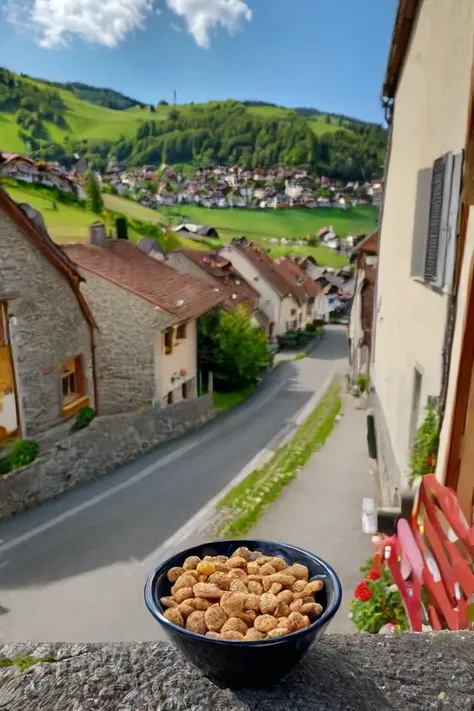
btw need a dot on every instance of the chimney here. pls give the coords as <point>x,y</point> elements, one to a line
<point>97,234</point>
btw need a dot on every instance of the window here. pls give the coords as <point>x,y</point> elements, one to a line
<point>300,318</point>
<point>71,379</point>
<point>293,312</point>
<point>436,221</point>
<point>184,391</point>
<point>3,324</point>
<point>169,398</point>
<point>415,406</point>
<point>168,339</point>
<point>181,332</point>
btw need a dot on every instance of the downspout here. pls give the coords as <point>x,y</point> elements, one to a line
<point>94,371</point>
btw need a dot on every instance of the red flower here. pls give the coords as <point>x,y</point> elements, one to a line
<point>430,461</point>
<point>362,592</point>
<point>373,575</point>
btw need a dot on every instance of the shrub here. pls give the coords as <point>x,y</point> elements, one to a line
<point>83,418</point>
<point>363,383</point>
<point>377,603</point>
<point>6,465</point>
<point>423,456</point>
<point>24,452</point>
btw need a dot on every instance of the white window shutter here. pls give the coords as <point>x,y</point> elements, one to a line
<point>452,231</point>
<point>443,227</point>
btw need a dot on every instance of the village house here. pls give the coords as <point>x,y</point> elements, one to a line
<point>364,257</point>
<point>424,310</point>
<point>282,299</point>
<point>46,329</point>
<point>146,313</point>
<point>27,170</point>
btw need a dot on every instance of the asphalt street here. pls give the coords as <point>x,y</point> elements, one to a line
<point>74,568</point>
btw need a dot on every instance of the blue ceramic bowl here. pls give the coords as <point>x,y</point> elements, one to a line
<point>246,664</point>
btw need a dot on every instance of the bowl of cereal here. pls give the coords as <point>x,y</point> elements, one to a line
<point>244,612</point>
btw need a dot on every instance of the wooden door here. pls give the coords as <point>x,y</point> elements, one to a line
<point>8,410</point>
<point>465,484</point>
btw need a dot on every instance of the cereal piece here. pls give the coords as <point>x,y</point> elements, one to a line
<point>279,564</point>
<point>255,587</point>
<point>173,615</point>
<point>184,581</point>
<point>264,559</point>
<point>268,603</point>
<point>300,572</point>
<point>256,578</point>
<point>213,635</point>
<point>183,594</point>
<point>252,602</point>
<point>219,579</point>
<point>186,609</point>
<point>265,623</point>
<point>284,622</point>
<point>191,563</point>
<point>285,596</point>
<point>237,585</point>
<point>308,600</point>
<point>195,573</point>
<point>267,583</point>
<point>296,621</point>
<point>313,587</point>
<point>174,573</point>
<point>296,605</point>
<point>199,603</point>
<point>248,617</point>
<point>220,566</point>
<point>205,567</point>
<point>196,622</point>
<point>238,573</point>
<point>232,603</point>
<point>208,591</point>
<point>236,562</point>
<point>233,635</point>
<point>299,586</point>
<point>168,602</point>
<point>215,618</point>
<point>286,580</point>
<point>277,632</point>
<point>253,635</point>
<point>242,552</point>
<point>281,610</point>
<point>267,569</point>
<point>275,588</point>
<point>306,621</point>
<point>256,555</point>
<point>253,568</point>
<point>235,624</point>
<point>311,608</point>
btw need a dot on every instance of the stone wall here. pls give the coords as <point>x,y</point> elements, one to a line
<point>128,328</point>
<point>107,443</point>
<point>410,672</point>
<point>47,327</point>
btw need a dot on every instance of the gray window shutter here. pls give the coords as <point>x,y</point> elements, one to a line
<point>435,218</point>
<point>452,232</point>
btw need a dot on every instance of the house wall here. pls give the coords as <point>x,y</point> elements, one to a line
<point>47,327</point>
<point>270,301</point>
<point>430,117</point>
<point>356,334</point>
<point>184,356</point>
<point>287,305</point>
<point>182,264</point>
<point>128,328</point>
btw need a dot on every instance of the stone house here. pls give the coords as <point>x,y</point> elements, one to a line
<point>46,328</point>
<point>146,316</point>
<point>424,313</point>
<point>364,257</point>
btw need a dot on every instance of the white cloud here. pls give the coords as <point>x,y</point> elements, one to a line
<point>108,22</point>
<point>204,16</point>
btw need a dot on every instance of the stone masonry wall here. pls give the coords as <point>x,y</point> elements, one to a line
<point>49,327</point>
<point>125,344</point>
<point>107,443</point>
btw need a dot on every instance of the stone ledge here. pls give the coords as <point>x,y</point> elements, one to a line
<point>350,673</point>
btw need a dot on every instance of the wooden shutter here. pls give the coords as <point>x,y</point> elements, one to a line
<point>452,231</point>
<point>435,218</point>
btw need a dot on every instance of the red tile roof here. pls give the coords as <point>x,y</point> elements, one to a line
<point>43,244</point>
<point>369,245</point>
<point>265,265</point>
<point>122,263</point>
<point>302,286</point>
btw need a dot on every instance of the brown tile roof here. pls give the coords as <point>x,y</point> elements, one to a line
<point>43,244</point>
<point>122,263</point>
<point>302,286</point>
<point>369,245</point>
<point>265,265</point>
<point>228,278</point>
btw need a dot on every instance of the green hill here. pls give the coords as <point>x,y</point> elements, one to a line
<point>54,121</point>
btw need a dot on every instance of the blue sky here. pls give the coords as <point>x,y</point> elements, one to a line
<point>328,55</point>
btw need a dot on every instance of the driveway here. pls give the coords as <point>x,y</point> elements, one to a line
<point>74,569</point>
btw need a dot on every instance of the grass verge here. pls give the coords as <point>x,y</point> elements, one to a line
<point>226,401</point>
<point>245,504</point>
<point>24,663</point>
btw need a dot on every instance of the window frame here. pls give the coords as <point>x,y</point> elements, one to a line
<point>182,332</point>
<point>168,334</point>
<point>74,377</point>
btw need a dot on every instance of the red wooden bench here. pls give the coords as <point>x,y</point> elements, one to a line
<point>431,560</point>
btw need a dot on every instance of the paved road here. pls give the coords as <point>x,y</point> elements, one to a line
<point>74,569</point>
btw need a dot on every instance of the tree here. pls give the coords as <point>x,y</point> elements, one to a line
<point>233,348</point>
<point>93,191</point>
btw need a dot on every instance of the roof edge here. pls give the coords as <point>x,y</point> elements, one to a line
<point>405,19</point>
